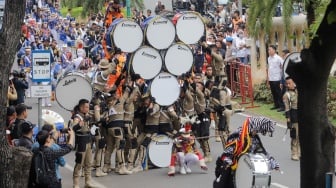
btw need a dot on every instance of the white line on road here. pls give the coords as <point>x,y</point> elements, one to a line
<point>279,185</point>
<point>278,124</point>
<point>93,181</point>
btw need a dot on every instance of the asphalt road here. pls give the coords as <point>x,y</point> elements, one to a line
<point>198,179</point>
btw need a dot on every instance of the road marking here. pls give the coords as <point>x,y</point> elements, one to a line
<point>279,185</point>
<point>93,181</point>
<point>278,124</point>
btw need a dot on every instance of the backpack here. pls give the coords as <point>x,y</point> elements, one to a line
<point>40,171</point>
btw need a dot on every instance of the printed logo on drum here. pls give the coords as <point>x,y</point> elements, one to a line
<point>161,143</point>
<point>128,25</point>
<point>148,55</point>
<point>189,17</point>
<point>179,47</point>
<point>158,22</point>
<point>67,82</point>
<point>165,76</point>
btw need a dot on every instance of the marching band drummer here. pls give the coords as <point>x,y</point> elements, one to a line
<point>115,138</point>
<point>151,129</point>
<point>244,140</point>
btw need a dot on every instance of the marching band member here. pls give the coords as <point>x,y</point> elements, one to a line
<point>115,131</point>
<point>245,140</point>
<point>113,12</point>
<point>167,116</point>
<point>185,152</point>
<point>129,128</point>
<point>81,126</point>
<point>202,126</point>
<point>151,129</point>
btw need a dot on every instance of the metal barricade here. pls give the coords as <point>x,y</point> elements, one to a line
<point>240,81</point>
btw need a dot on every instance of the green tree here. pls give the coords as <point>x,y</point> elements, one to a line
<point>317,135</point>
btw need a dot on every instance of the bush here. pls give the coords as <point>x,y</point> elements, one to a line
<point>331,97</point>
<point>262,93</point>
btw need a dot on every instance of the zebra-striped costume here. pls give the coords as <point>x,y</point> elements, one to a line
<point>244,140</point>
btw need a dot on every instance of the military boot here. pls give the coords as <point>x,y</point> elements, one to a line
<point>99,172</point>
<point>208,157</point>
<point>75,182</point>
<point>107,168</point>
<point>88,182</point>
<point>123,170</point>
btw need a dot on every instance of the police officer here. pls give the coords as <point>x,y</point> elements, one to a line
<point>115,131</point>
<point>290,100</point>
<point>81,126</point>
<point>151,129</point>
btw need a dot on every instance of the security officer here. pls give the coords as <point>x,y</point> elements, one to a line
<point>290,99</point>
<point>151,129</point>
<point>81,126</point>
<point>115,131</point>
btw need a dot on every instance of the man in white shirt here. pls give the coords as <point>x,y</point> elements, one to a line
<point>275,64</point>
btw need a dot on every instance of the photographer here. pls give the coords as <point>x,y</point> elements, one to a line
<point>20,84</point>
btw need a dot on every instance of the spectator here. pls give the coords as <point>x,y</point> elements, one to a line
<point>149,13</point>
<point>11,116</point>
<point>158,8</point>
<point>12,94</point>
<point>22,114</point>
<point>236,20</point>
<point>275,63</point>
<point>60,161</point>
<point>241,46</point>
<point>26,140</point>
<point>20,84</point>
<point>45,141</point>
<point>199,60</point>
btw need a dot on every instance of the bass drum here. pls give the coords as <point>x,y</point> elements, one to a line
<point>253,170</point>
<point>159,32</point>
<point>71,88</point>
<point>189,27</point>
<point>146,62</point>
<point>124,34</point>
<point>159,150</point>
<point>178,59</point>
<point>165,89</point>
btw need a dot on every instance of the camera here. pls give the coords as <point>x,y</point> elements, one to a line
<point>64,130</point>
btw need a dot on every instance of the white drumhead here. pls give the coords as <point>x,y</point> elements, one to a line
<point>179,59</point>
<point>127,35</point>
<point>160,32</point>
<point>250,165</point>
<point>294,57</point>
<point>147,62</point>
<point>165,89</point>
<point>70,89</point>
<point>160,150</point>
<point>190,28</point>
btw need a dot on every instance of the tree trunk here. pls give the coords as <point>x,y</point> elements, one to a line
<point>317,136</point>
<point>9,39</point>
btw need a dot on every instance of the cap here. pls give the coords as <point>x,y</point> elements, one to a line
<point>229,39</point>
<point>186,130</point>
<point>27,126</point>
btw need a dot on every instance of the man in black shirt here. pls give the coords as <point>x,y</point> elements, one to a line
<point>27,134</point>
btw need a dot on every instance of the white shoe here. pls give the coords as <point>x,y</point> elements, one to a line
<point>182,170</point>
<point>138,168</point>
<point>187,168</point>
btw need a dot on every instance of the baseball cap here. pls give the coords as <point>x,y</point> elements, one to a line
<point>229,39</point>
<point>26,127</point>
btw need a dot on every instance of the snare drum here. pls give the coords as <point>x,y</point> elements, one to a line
<point>159,32</point>
<point>124,34</point>
<point>253,170</point>
<point>71,88</point>
<point>189,27</point>
<point>165,89</point>
<point>178,59</point>
<point>159,150</point>
<point>146,62</point>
